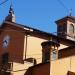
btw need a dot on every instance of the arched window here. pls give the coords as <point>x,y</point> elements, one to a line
<point>71,28</point>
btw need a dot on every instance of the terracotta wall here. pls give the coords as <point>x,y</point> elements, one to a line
<point>41,69</point>
<point>16,43</point>
<point>70,51</point>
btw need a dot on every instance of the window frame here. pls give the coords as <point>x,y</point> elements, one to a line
<point>54,55</point>
<point>71,29</point>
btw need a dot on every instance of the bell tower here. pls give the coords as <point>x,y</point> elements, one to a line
<point>66,27</point>
<point>11,15</point>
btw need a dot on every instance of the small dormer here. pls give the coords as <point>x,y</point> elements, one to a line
<point>66,27</point>
<point>11,15</point>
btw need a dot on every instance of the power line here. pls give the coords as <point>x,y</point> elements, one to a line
<point>65,7</point>
<point>3,2</point>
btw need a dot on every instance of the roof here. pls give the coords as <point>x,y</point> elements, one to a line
<point>66,52</point>
<point>40,64</point>
<point>67,18</point>
<point>42,34</point>
<point>25,27</point>
<point>50,43</point>
<point>70,47</point>
<point>33,69</point>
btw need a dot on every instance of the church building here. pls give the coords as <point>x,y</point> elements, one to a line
<point>23,48</point>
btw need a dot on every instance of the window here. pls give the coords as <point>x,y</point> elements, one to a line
<point>46,56</point>
<point>5,58</point>
<point>71,28</point>
<point>54,55</point>
<point>60,28</point>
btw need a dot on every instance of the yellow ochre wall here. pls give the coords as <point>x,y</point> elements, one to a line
<point>34,48</point>
<point>20,69</point>
<point>62,46</point>
<point>62,66</point>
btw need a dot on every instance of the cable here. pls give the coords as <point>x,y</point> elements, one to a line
<point>3,2</point>
<point>63,5</point>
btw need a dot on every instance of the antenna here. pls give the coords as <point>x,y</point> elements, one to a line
<point>11,7</point>
<point>66,8</point>
<point>11,3</point>
<point>70,12</point>
<point>63,5</point>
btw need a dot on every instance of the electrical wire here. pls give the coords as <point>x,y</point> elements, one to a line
<point>65,7</point>
<point>3,2</point>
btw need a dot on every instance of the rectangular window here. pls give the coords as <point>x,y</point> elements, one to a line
<point>46,56</point>
<point>5,58</point>
<point>54,55</point>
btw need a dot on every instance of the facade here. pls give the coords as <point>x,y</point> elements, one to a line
<point>66,56</point>
<point>66,27</point>
<point>65,62</point>
<point>61,60</point>
<point>21,46</point>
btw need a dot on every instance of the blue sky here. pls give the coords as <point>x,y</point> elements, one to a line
<point>40,14</point>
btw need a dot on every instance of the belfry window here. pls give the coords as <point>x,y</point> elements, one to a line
<point>71,28</point>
